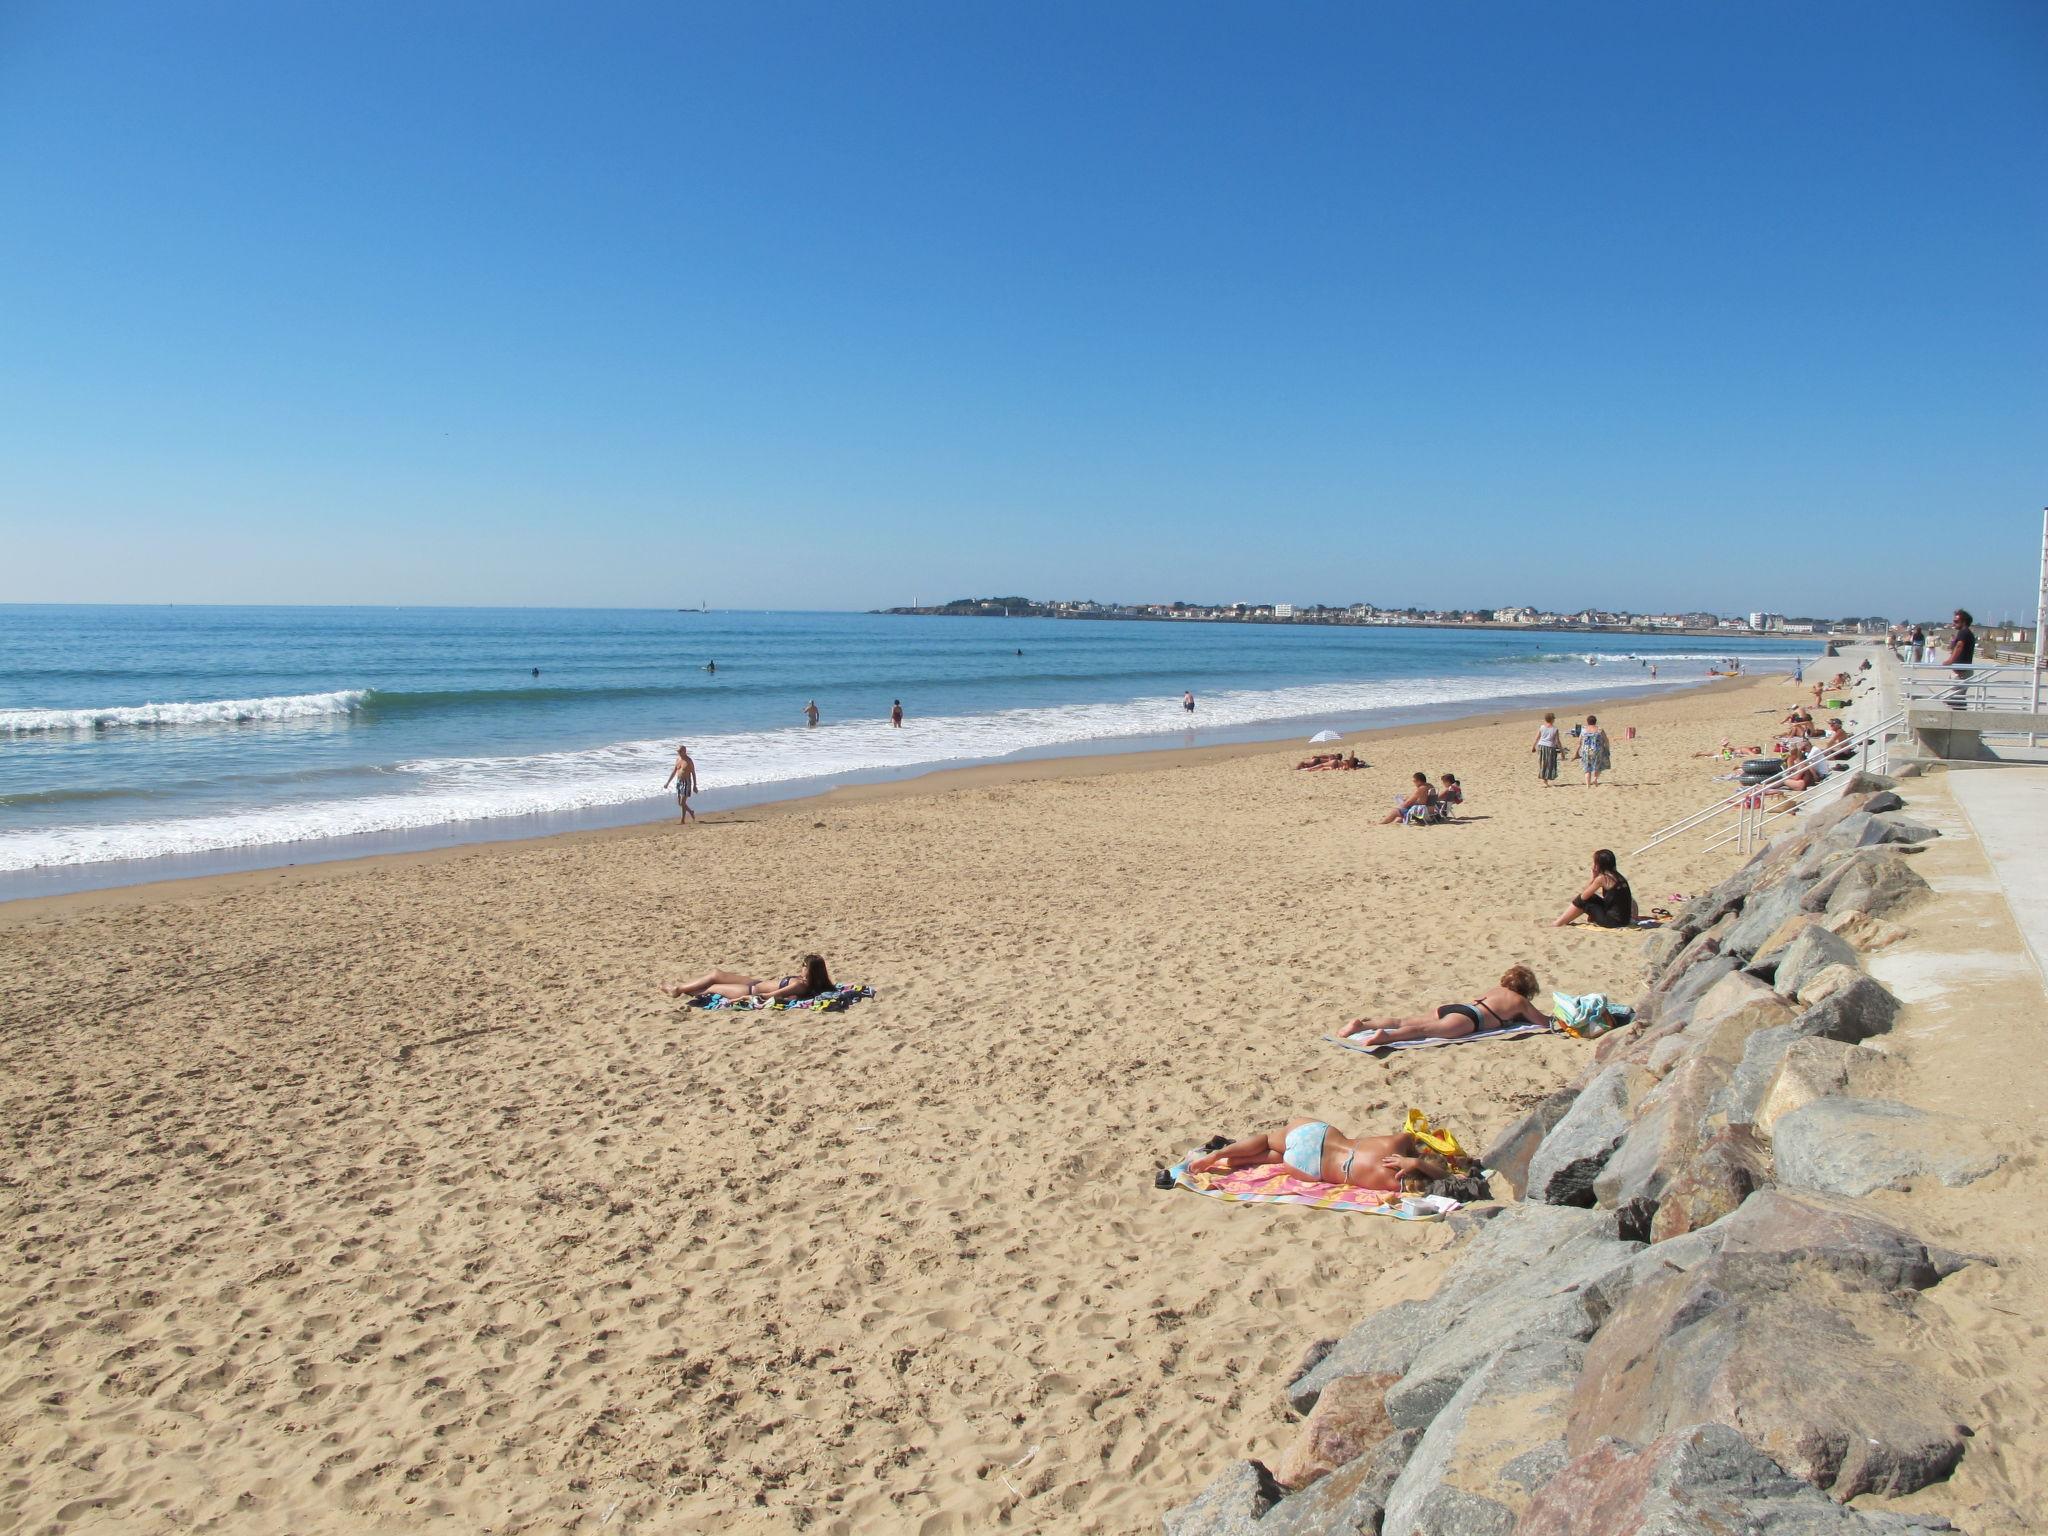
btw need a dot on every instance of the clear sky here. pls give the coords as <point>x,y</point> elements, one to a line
<point>1726,305</point>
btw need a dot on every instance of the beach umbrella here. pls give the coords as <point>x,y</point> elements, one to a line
<point>1325,736</point>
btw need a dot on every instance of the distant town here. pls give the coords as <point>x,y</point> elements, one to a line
<point>1365,613</point>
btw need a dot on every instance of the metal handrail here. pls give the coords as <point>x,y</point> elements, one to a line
<point>1751,815</point>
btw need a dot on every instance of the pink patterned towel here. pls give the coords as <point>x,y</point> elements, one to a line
<point>1277,1184</point>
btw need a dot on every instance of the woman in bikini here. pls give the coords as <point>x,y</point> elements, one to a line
<point>1315,1149</point>
<point>810,979</point>
<point>1508,1003</point>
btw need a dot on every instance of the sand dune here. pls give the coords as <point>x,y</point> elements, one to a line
<point>343,1198</point>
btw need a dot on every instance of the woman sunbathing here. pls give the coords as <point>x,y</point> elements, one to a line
<point>1508,1003</point>
<point>1315,1149</point>
<point>810,979</point>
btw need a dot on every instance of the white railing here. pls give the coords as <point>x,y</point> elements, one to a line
<point>1750,814</point>
<point>2007,688</point>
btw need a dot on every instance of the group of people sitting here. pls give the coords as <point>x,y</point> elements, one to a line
<point>1427,802</point>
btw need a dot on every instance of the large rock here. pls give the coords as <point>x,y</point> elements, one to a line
<point>1563,1168</point>
<point>1713,1183</point>
<point>1865,932</point>
<point>1854,1013</point>
<point>1765,960</point>
<point>1383,1344</point>
<point>1781,1228</point>
<point>1526,1276</point>
<point>1661,1140</point>
<point>1702,1480</point>
<point>1533,1270</point>
<point>1820,1069</point>
<point>1863,782</point>
<point>1511,1151</point>
<point>1349,1502</point>
<point>1864,830</point>
<point>1229,1506</point>
<point>1702,947</point>
<point>1349,1419</point>
<point>1854,1146</point>
<point>1495,1442</point>
<point>1810,1364</point>
<point>1733,1009</point>
<point>1807,956</point>
<point>1878,881</point>
<point>1825,983</point>
<point>1675,1003</point>
<point>1767,908</point>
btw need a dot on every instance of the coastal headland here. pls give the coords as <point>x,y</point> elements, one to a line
<point>355,1196</point>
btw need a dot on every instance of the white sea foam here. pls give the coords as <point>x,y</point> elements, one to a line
<point>443,791</point>
<point>292,706</point>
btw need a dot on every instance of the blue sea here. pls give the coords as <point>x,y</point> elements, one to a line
<point>143,743</point>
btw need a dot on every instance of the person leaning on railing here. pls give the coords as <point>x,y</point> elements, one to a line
<point>1962,652</point>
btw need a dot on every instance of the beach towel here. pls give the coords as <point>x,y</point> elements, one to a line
<point>838,1000</point>
<point>1587,1017</point>
<point>1512,1032</point>
<point>1277,1184</point>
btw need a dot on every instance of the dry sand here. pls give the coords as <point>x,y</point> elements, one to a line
<point>345,1197</point>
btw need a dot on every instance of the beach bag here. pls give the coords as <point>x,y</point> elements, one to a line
<point>1590,1016</point>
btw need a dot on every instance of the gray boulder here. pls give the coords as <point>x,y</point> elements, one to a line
<point>1819,1069</point>
<point>1385,1343</point>
<point>1762,915</point>
<point>1863,782</point>
<point>1877,881</point>
<point>1541,1279</point>
<point>1711,1184</point>
<point>1676,1000</point>
<point>1511,1151</point>
<point>1229,1506</point>
<point>1536,1268</point>
<point>1563,1168</point>
<point>1702,1480</point>
<point>1856,1012</point>
<point>1351,1501</point>
<point>1729,1012</point>
<point>1493,1443</point>
<point>1866,830</point>
<point>1807,956</point>
<point>1811,1365</point>
<point>1778,1229</point>
<point>1659,1143</point>
<point>1852,1147</point>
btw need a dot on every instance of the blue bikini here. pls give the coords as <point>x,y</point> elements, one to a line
<point>1304,1152</point>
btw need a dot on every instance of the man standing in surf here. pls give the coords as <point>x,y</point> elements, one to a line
<point>1187,701</point>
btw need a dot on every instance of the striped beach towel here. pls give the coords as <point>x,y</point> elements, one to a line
<point>1512,1032</point>
<point>1277,1184</point>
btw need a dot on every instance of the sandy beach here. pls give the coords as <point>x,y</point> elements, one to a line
<point>348,1197</point>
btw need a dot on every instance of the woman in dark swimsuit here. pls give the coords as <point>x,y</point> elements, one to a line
<point>1606,901</point>
<point>1508,1003</point>
<point>810,979</point>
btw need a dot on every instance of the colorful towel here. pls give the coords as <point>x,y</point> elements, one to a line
<point>1277,1184</point>
<point>1512,1032</point>
<point>838,1000</point>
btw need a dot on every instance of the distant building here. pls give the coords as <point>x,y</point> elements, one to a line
<point>1283,610</point>
<point>1765,623</point>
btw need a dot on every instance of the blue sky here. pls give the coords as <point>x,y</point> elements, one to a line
<point>1724,305</point>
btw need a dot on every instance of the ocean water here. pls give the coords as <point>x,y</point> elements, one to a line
<point>137,743</point>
